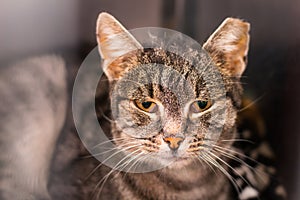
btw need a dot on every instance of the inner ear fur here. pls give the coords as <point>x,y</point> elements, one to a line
<point>228,46</point>
<point>114,41</point>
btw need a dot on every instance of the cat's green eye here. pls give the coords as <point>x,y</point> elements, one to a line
<point>200,106</point>
<point>147,106</point>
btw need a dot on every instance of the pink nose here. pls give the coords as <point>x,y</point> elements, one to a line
<point>173,142</point>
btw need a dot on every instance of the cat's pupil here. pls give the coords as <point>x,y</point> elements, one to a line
<point>146,104</point>
<point>202,104</point>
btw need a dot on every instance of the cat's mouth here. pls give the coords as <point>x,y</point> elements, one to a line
<point>175,161</point>
<point>174,156</point>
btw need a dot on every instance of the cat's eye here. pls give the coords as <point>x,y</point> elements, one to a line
<point>147,106</point>
<point>200,105</point>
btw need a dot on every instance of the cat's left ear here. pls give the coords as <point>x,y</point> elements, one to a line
<point>113,40</point>
<point>228,46</point>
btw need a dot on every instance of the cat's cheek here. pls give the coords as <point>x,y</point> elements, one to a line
<point>198,126</point>
<point>129,131</point>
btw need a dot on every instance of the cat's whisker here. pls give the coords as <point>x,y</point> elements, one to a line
<point>223,170</point>
<point>113,149</point>
<point>228,165</point>
<point>131,141</point>
<point>236,152</point>
<point>115,168</point>
<point>237,82</point>
<point>144,157</point>
<point>258,172</point>
<point>197,159</point>
<point>111,156</point>
<point>138,161</point>
<point>103,180</point>
<point>242,76</point>
<point>125,164</point>
<point>109,149</point>
<point>100,113</point>
<point>111,140</point>
<point>137,158</point>
<point>200,158</point>
<point>233,157</point>
<point>120,151</point>
<point>207,139</point>
<point>251,104</point>
<point>238,140</point>
<point>107,118</point>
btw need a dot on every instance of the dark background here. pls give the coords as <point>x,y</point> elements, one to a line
<point>34,27</point>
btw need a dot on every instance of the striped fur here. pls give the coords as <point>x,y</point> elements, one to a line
<point>209,172</point>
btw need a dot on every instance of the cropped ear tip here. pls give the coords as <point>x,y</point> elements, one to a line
<point>245,24</point>
<point>104,18</point>
<point>237,21</point>
<point>104,15</point>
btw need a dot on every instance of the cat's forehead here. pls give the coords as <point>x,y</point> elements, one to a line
<point>166,76</point>
<point>191,66</point>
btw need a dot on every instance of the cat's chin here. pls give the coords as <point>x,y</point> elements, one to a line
<point>179,163</point>
<point>170,161</point>
<point>175,162</point>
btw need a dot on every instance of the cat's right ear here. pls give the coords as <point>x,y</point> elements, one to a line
<point>228,46</point>
<point>113,41</point>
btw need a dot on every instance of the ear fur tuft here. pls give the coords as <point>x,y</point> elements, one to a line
<point>228,46</point>
<point>113,39</point>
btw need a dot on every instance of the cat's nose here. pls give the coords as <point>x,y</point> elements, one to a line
<point>173,142</point>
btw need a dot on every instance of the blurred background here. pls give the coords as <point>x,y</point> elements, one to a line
<point>34,27</point>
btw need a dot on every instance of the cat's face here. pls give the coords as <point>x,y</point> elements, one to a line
<point>164,109</point>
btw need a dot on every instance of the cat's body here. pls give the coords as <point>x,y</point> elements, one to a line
<point>190,183</point>
<point>193,167</point>
<point>33,108</point>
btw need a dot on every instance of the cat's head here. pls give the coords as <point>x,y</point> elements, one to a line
<point>156,116</point>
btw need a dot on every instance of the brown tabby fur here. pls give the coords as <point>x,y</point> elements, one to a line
<point>190,178</point>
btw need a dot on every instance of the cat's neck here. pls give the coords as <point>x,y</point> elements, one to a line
<point>191,182</point>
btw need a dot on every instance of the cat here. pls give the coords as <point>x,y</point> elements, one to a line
<point>32,113</point>
<point>191,168</point>
<point>182,164</point>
